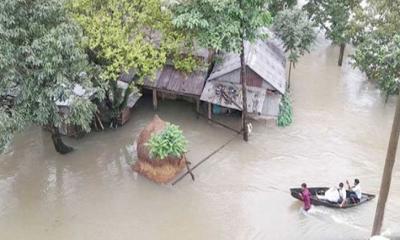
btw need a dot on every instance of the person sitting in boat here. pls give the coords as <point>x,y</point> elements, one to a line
<point>333,195</point>
<point>342,194</point>
<point>305,195</point>
<point>354,193</point>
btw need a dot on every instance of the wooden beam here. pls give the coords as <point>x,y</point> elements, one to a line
<point>155,103</point>
<point>173,92</point>
<point>387,172</point>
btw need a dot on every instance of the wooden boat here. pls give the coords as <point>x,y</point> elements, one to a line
<point>322,202</point>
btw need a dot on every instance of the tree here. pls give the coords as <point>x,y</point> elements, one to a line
<point>379,57</point>
<point>275,6</point>
<point>126,35</point>
<point>224,26</point>
<point>376,34</point>
<point>41,62</point>
<point>377,53</point>
<point>379,17</point>
<point>334,16</point>
<point>296,31</point>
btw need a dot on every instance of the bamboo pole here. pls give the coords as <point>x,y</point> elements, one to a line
<point>209,111</point>
<point>387,172</point>
<point>243,80</point>
<point>290,72</point>
<point>243,76</point>
<point>99,120</point>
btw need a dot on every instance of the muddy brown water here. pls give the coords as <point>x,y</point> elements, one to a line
<point>341,131</point>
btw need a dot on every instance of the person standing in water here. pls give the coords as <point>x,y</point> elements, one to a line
<point>305,195</point>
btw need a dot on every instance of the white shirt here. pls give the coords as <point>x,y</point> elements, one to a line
<point>357,190</point>
<point>342,193</point>
<point>332,195</point>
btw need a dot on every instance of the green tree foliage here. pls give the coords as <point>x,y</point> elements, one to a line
<point>334,16</point>
<point>124,35</point>
<point>379,58</point>
<point>275,6</point>
<point>41,61</point>
<point>168,143</point>
<point>224,26</point>
<point>285,117</point>
<point>296,31</point>
<point>376,31</point>
<point>219,25</point>
<point>380,17</point>
<point>187,64</point>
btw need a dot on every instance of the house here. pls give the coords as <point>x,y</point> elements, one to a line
<point>172,83</point>
<point>266,80</point>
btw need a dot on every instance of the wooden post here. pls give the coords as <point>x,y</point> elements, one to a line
<point>197,107</point>
<point>155,99</point>
<point>209,110</point>
<point>341,53</point>
<point>387,172</point>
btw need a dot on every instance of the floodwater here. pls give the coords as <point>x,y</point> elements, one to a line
<point>341,131</point>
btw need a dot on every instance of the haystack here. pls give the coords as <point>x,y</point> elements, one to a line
<point>157,170</point>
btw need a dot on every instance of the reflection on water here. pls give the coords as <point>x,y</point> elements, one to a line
<point>341,131</point>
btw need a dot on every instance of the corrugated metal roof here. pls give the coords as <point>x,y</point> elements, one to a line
<point>264,58</point>
<point>170,79</point>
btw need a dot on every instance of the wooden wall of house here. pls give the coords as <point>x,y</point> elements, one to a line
<point>253,79</point>
<point>271,105</point>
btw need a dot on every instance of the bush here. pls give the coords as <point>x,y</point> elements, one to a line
<point>285,117</point>
<point>170,142</point>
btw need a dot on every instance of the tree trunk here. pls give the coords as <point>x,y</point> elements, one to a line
<point>58,143</point>
<point>387,172</point>
<point>290,71</point>
<point>211,54</point>
<point>341,53</point>
<point>243,79</point>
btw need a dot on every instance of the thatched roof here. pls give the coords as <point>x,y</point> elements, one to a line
<point>171,80</point>
<point>265,58</point>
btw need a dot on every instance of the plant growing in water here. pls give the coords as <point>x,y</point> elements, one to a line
<point>285,117</point>
<point>169,142</point>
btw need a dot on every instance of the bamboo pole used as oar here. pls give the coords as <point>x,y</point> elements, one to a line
<point>204,159</point>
